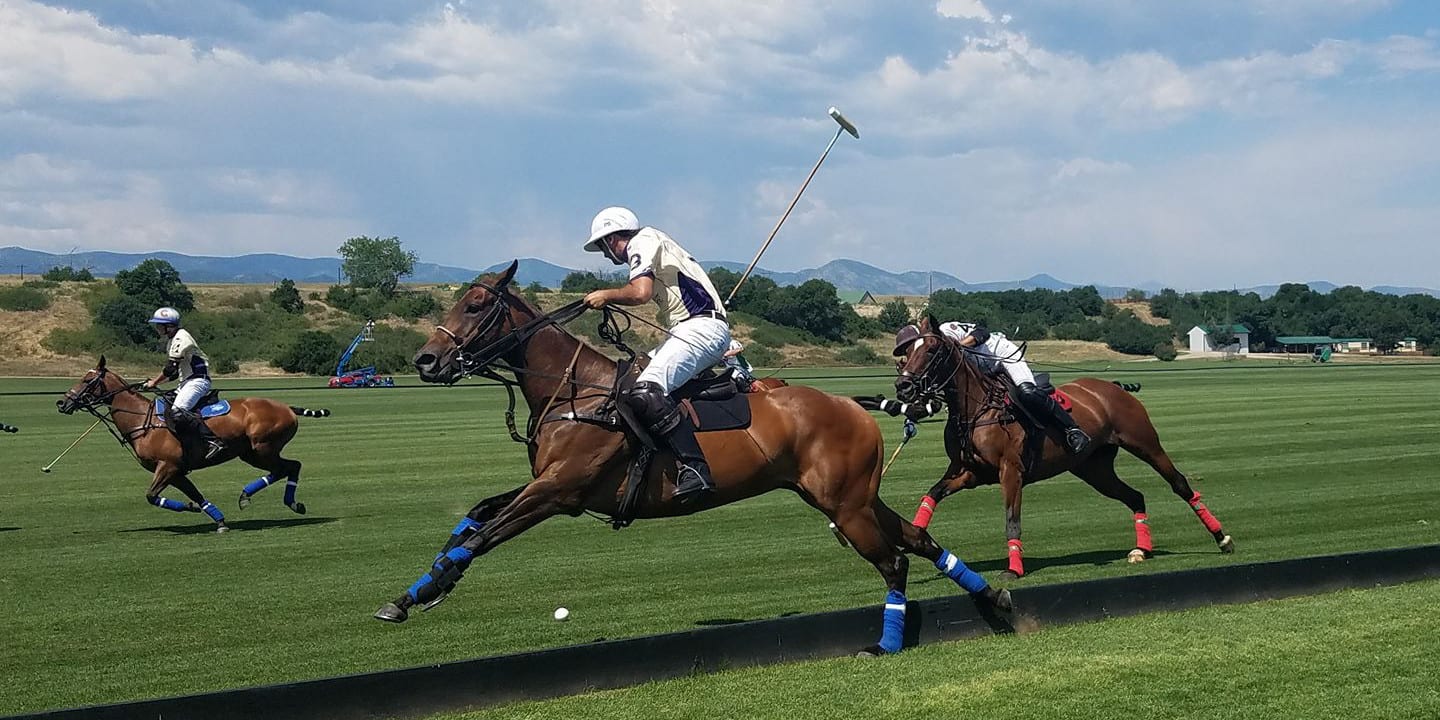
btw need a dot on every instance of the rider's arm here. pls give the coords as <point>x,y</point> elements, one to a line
<point>636,292</point>
<point>171,369</point>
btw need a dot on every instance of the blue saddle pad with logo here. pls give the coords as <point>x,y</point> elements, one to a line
<point>212,410</point>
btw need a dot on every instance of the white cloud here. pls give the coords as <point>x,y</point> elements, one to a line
<point>965,9</point>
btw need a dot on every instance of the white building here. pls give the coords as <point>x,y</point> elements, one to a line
<point>1202,340</point>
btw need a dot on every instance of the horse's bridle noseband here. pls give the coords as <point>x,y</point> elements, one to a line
<point>926,385</point>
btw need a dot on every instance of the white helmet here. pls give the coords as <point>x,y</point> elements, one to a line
<point>166,316</point>
<point>609,220</point>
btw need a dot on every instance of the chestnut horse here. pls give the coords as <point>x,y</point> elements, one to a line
<point>986,444</point>
<point>255,430</point>
<point>824,448</point>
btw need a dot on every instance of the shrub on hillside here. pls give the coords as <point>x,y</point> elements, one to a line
<point>1165,351</point>
<point>23,298</point>
<point>1087,330</point>
<point>224,365</point>
<point>858,355</point>
<point>40,284</point>
<point>287,298</point>
<point>761,356</point>
<point>312,352</point>
<point>894,315</point>
<point>68,274</point>
<point>1130,335</point>
<point>127,318</point>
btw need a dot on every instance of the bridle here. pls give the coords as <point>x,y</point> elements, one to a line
<point>925,383</point>
<point>90,401</point>
<point>957,399</point>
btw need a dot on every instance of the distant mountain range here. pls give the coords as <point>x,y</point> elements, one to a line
<point>845,275</point>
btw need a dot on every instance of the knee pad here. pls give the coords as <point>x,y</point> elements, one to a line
<point>653,407</point>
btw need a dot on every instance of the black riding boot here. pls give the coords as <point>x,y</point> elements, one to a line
<point>1041,405</point>
<point>195,434</point>
<point>693,479</point>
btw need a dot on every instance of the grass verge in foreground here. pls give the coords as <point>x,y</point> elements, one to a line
<point>1363,653</point>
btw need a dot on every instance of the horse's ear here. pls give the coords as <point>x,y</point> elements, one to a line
<point>931,321</point>
<point>509,274</point>
<point>100,365</point>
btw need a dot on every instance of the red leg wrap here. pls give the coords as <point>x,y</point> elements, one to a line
<point>1017,563</point>
<point>1203,513</point>
<point>1142,533</point>
<point>923,513</point>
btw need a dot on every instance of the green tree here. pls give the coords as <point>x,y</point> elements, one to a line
<point>584,281</point>
<point>812,306</point>
<point>1134,295</point>
<point>126,317</point>
<point>312,353</point>
<point>155,283</point>
<point>376,263</point>
<point>287,297</point>
<point>67,273</point>
<point>894,315</point>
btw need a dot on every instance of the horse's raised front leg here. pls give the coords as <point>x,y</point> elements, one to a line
<point>168,474</point>
<point>956,478</point>
<point>492,521</point>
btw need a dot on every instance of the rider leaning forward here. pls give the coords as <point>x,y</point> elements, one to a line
<point>697,333</point>
<point>993,353</point>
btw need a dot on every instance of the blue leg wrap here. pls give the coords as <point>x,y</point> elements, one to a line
<point>290,491</point>
<point>168,504</point>
<point>256,486</point>
<point>462,532</point>
<point>214,512</point>
<point>894,634</point>
<point>442,576</point>
<point>962,575</point>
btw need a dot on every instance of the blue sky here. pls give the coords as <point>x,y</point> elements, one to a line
<point>1197,144</point>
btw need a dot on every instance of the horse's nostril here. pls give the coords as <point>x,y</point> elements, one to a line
<point>424,361</point>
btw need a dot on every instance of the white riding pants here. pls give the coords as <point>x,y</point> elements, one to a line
<point>692,346</point>
<point>190,392</point>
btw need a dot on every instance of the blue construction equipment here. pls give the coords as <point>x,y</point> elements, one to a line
<point>365,376</point>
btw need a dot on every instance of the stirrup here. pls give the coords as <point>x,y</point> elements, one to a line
<point>215,448</point>
<point>1076,441</point>
<point>690,484</point>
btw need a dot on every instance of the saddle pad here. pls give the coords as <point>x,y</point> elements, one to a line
<point>214,409</point>
<point>732,413</point>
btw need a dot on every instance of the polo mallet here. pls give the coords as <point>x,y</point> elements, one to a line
<point>910,431</point>
<point>46,469</point>
<point>845,126</point>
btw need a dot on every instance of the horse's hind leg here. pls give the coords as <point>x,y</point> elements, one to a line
<point>265,457</point>
<point>1098,471</point>
<point>183,484</point>
<point>1142,442</point>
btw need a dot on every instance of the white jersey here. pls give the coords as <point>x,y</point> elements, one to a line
<point>682,289</point>
<point>995,354</point>
<point>187,356</point>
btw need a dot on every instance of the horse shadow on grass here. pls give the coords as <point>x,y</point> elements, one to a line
<point>1036,563</point>
<point>9,529</point>
<point>240,525</point>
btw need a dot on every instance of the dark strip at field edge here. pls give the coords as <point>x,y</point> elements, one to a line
<point>483,682</point>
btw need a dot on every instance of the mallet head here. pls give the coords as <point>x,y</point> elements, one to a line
<point>849,126</point>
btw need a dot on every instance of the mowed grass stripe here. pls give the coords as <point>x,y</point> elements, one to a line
<point>118,600</point>
<point>1366,652</point>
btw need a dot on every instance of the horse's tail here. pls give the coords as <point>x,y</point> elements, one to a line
<point>305,412</point>
<point>1127,387</point>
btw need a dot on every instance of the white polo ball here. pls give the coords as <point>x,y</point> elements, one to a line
<point>562,614</point>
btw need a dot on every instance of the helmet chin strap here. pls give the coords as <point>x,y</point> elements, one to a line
<point>609,252</point>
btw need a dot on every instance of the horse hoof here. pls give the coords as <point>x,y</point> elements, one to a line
<point>1009,575</point>
<point>222,528</point>
<point>1136,556</point>
<point>299,508</point>
<point>1001,600</point>
<point>873,651</point>
<point>391,613</point>
<point>1227,545</point>
<point>244,501</point>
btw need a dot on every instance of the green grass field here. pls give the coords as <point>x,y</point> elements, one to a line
<point>1356,653</point>
<point>111,599</point>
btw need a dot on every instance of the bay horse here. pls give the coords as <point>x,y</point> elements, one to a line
<point>825,448</point>
<point>986,444</point>
<point>254,430</point>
